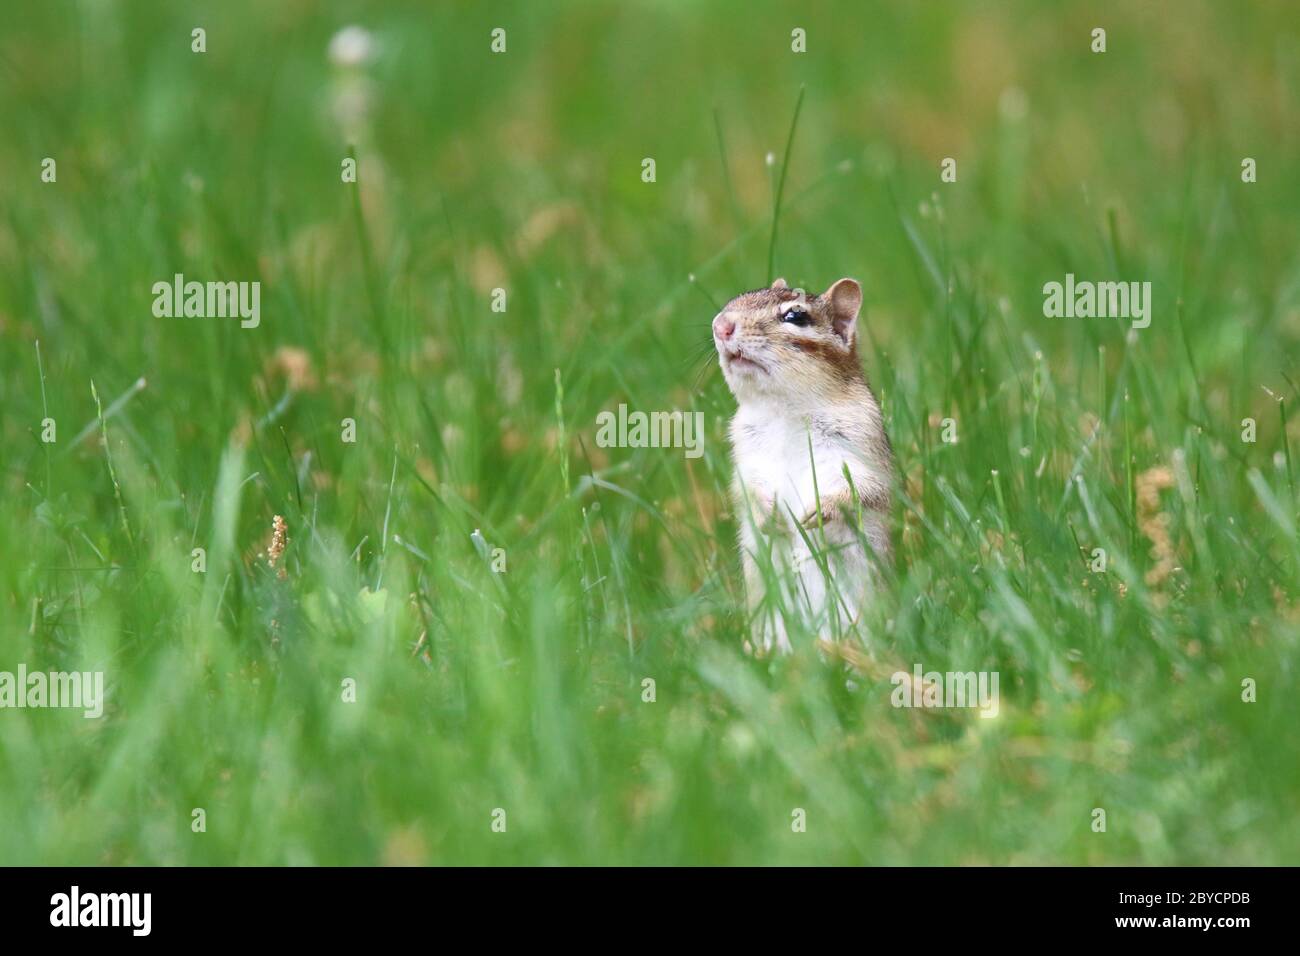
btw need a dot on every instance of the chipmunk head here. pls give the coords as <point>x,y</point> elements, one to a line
<point>785,344</point>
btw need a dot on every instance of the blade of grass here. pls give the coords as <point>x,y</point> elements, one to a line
<point>780,188</point>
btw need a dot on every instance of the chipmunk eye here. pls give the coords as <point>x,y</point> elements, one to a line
<point>797,317</point>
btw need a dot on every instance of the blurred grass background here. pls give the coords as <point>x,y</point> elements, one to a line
<point>522,171</point>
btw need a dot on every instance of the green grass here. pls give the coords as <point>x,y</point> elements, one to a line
<point>523,690</point>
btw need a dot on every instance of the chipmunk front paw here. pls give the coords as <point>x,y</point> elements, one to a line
<point>839,507</point>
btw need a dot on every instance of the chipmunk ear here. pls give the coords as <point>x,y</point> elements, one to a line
<point>779,284</point>
<point>845,299</point>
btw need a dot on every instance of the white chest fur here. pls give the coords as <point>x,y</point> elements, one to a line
<point>790,459</point>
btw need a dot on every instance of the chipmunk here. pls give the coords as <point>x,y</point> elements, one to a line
<point>808,430</point>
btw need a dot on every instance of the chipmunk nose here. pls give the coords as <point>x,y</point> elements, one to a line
<point>723,328</point>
